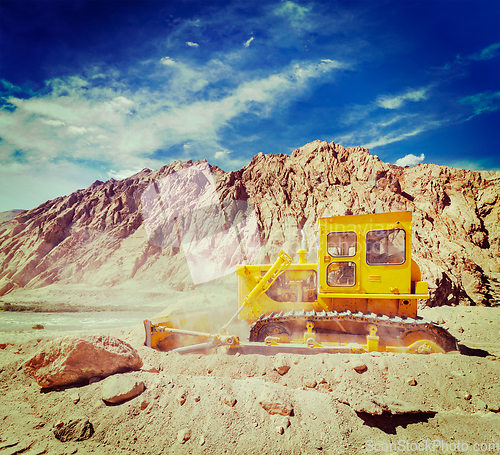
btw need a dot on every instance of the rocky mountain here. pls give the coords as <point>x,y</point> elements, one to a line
<point>100,238</point>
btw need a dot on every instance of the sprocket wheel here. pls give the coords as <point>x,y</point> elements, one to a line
<point>273,329</point>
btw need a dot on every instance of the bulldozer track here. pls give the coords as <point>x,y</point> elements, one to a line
<point>401,324</point>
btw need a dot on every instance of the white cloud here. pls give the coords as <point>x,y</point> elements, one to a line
<point>220,154</point>
<point>125,129</point>
<point>167,61</point>
<point>389,129</point>
<point>77,130</point>
<point>59,110</point>
<point>51,122</point>
<point>395,102</point>
<point>395,136</point>
<point>191,44</point>
<point>355,113</point>
<point>410,160</point>
<point>247,42</point>
<point>122,174</point>
<point>296,14</point>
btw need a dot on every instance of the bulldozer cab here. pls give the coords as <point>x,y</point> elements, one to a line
<point>365,254</point>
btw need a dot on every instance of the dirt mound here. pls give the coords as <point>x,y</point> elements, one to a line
<point>251,404</point>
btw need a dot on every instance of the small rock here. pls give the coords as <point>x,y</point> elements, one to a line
<point>411,381</point>
<point>281,364</point>
<point>75,398</point>
<point>184,435</point>
<point>281,421</point>
<point>181,397</point>
<point>311,383</point>
<point>120,388</point>
<point>229,400</point>
<point>359,366</point>
<point>467,396</point>
<point>149,368</point>
<point>197,398</point>
<point>273,403</point>
<point>280,429</point>
<point>460,330</point>
<point>144,405</point>
<point>237,354</point>
<point>74,430</point>
<point>202,438</point>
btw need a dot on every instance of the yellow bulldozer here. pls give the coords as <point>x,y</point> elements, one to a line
<point>360,296</point>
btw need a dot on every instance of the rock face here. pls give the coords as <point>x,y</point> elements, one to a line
<point>76,360</point>
<point>96,236</point>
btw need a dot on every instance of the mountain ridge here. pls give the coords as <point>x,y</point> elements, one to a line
<point>96,236</point>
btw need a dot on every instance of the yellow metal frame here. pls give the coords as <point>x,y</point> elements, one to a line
<point>388,289</point>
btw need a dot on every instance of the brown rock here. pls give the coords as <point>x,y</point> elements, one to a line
<point>310,383</point>
<point>273,403</point>
<point>72,360</point>
<point>281,364</point>
<point>120,388</point>
<point>411,381</point>
<point>184,435</point>
<point>149,368</point>
<point>229,400</point>
<point>182,397</point>
<point>359,366</point>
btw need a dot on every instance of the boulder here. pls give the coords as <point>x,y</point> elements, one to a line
<point>120,388</point>
<point>72,360</point>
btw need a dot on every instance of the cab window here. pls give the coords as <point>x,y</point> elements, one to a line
<point>341,273</point>
<point>341,244</point>
<point>386,246</point>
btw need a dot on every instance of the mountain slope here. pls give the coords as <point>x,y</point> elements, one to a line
<point>96,238</point>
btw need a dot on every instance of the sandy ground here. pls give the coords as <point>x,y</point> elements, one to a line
<point>456,396</point>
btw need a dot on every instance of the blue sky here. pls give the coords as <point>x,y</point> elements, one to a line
<point>93,90</point>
